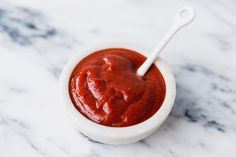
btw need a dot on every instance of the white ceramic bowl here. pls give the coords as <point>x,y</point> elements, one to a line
<point>117,135</point>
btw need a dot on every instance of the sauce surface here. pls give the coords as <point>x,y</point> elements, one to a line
<point>104,87</point>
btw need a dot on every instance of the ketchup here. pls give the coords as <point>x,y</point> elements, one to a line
<point>105,88</point>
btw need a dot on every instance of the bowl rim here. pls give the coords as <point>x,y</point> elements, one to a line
<point>89,127</point>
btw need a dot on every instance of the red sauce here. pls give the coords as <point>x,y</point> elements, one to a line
<point>105,88</point>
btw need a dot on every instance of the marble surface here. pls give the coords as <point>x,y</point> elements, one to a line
<point>38,37</point>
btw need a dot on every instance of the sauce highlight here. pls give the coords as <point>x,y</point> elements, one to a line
<point>105,88</point>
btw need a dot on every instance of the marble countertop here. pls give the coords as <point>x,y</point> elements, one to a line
<point>38,37</point>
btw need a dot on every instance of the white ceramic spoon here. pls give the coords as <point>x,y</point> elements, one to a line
<point>184,17</point>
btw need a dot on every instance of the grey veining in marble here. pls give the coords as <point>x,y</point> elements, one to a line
<point>38,37</point>
<point>24,26</point>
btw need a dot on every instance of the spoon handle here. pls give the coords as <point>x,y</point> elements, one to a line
<point>184,17</point>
